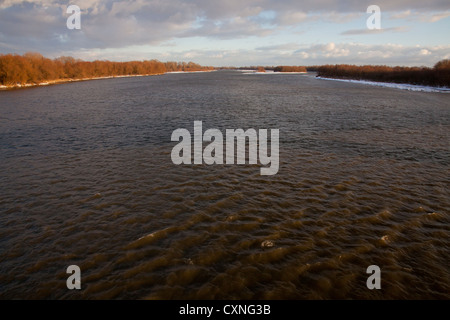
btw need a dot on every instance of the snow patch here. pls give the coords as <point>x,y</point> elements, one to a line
<point>402,86</point>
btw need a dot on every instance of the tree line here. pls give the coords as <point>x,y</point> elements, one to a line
<point>264,68</point>
<point>33,68</point>
<point>289,69</point>
<point>439,75</point>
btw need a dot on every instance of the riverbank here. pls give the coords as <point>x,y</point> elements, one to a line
<point>33,69</point>
<point>436,77</point>
<point>61,81</point>
<point>402,86</point>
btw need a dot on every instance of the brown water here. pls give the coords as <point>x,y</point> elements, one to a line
<point>87,179</point>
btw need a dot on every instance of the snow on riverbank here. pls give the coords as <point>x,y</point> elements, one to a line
<point>402,86</point>
<point>49,82</point>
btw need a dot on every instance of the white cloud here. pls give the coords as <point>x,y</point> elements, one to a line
<point>330,46</point>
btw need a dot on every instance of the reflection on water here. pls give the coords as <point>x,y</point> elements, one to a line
<point>87,179</point>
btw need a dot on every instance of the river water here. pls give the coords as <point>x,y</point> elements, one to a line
<point>87,179</point>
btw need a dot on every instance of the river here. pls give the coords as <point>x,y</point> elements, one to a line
<point>87,179</point>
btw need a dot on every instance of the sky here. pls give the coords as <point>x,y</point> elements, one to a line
<point>231,32</point>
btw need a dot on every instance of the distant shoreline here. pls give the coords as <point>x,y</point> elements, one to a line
<point>250,71</point>
<point>436,77</point>
<point>61,81</point>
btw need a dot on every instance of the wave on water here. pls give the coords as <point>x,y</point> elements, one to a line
<point>402,86</point>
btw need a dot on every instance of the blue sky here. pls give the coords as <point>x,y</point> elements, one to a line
<point>231,32</point>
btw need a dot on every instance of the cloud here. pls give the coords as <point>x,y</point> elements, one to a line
<point>287,54</point>
<point>424,52</point>
<point>279,47</point>
<point>329,50</point>
<point>233,28</point>
<point>339,17</point>
<point>103,23</point>
<point>119,23</point>
<point>356,53</point>
<point>114,28</point>
<point>429,17</point>
<point>374,31</point>
<point>434,17</point>
<point>337,53</point>
<point>401,15</point>
<point>292,18</point>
